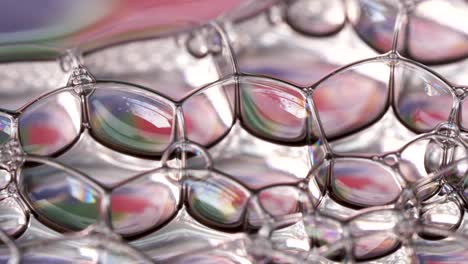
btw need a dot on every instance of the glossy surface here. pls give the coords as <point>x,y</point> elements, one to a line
<point>130,119</point>
<point>13,218</point>
<point>211,258</point>
<point>426,155</point>
<point>305,66</point>
<point>375,246</point>
<point>363,183</point>
<point>50,125</point>
<point>5,178</point>
<point>59,198</point>
<point>422,99</point>
<point>316,17</point>
<point>437,150</point>
<point>217,201</point>
<point>353,98</point>
<point>438,31</point>
<point>445,215</point>
<point>102,163</point>
<point>369,230</point>
<point>172,71</point>
<point>374,21</point>
<point>144,204</point>
<point>273,110</point>
<point>433,31</point>
<point>280,201</point>
<point>411,166</point>
<point>209,114</point>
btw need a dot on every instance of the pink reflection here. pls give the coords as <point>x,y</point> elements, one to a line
<point>274,111</point>
<point>351,100</point>
<point>130,19</point>
<point>438,31</point>
<point>363,183</point>
<point>93,24</point>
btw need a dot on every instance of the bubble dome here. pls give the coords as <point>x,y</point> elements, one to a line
<point>238,131</point>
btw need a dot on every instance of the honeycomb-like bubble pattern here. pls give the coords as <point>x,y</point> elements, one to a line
<point>306,131</point>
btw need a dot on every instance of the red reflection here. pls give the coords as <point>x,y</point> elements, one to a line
<point>44,135</point>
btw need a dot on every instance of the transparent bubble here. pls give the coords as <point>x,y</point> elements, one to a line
<point>13,218</point>
<point>130,119</point>
<point>215,257</point>
<point>273,110</point>
<point>258,172</point>
<point>217,201</point>
<point>51,124</point>
<point>316,17</point>
<point>443,214</point>
<point>5,178</point>
<point>373,233</point>
<point>464,115</point>
<point>278,202</point>
<point>144,204</point>
<point>363,183</point>
<point>422,99</point>
<point>437,31</point>
<point>60,199</point>
<point>210,113</point>
<point>353,98</point>
<point>197,45</point>
<point>426,155</point>
<point>427,34</point>
<point>374,21</point>
<point>437,152</point>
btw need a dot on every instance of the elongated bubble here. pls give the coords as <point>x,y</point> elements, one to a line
<point>217,201</point>
<point>130,119</point>
<point>363,183</point>
<point>352,98</point>
<point>50,124</point>
<point>59,199</point>
<point>144,204</point>
<point>273,110</point>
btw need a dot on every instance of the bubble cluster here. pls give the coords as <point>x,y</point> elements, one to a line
<point>272,158</point>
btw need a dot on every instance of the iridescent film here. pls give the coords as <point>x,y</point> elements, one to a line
<point>422,99</point>
<point>218,201</point>
<point>353,98</point>
<point>49,125</point>
<point>130,119</point>
<point>209,114</point>
<point>273,110</point>
<point>5,129</point>
<point>363,183</point>
<point>59,197</point>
